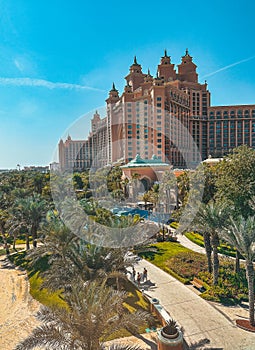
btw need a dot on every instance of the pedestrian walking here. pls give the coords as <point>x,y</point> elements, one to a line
<point>145,274</point>
<point>138,278</point>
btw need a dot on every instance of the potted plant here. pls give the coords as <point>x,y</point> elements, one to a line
<point>171,330</point>
<point>170,336</point>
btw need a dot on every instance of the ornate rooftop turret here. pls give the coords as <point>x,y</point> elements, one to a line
<point>166,68</point>
<point>148,77</point>
<point>113,95</point>
<point>135,76</point>
<point>187,69</point>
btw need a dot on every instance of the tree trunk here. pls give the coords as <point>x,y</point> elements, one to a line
<point>208,250</point>
<point>27,241</point>
<point>250,279</point>
<point>34,236</point>
<point>14,242</point>
<point>6,246</point>
<point>237,262</point>
<point>215,244</point>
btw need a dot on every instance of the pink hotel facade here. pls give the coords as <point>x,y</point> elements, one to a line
<point>169,116</point>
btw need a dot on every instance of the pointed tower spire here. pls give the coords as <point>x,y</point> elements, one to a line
<point>113,87</point>
<point>187,52</point>
<point>165,53</point>
<point>135,61</point>
<point>149,73</point>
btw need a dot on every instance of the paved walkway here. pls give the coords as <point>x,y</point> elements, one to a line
<point>201,321</point>
<point>188,244</point>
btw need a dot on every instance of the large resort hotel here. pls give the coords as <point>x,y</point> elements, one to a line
<point>168,117</point>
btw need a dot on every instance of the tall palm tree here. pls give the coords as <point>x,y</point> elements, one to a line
<point>3,233</point>
<point>241,234</point>
<point>210,219</point>
<point>94,313</point>
<point>29,212</point>
<point>71,259</point>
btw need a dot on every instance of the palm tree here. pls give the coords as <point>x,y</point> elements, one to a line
<point>210,219</point>
<point>71,259</point>
<point>3,234</point>
<point>94,312</point>
<point>241,234</point>
<point>29,212</point>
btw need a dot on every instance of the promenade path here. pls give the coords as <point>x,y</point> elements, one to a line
<point>200,319</point>
<point>188,244</point>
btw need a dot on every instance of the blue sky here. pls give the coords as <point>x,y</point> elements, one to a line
<point>58,60</point>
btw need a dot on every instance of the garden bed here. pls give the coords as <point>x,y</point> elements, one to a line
<point>184,264</point>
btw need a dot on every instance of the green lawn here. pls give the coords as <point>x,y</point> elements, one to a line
<point>43,295</point>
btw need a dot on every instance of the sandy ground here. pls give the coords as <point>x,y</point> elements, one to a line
<point>17,307</point>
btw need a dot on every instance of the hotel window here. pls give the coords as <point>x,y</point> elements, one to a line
<point>145,102</point>
<point>129,126</point>
<point>218,114</point>
<point>158,104</point>
<point>239,113</point>
<point>129,132</point>
<point>129,110</point>
<point>158,98</point>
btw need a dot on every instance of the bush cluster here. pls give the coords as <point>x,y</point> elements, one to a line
<point>187,264</point>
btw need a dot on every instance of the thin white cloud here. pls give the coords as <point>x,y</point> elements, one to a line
<point>44,83</point>
<point>229,66</point>
<point>19,65</point>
